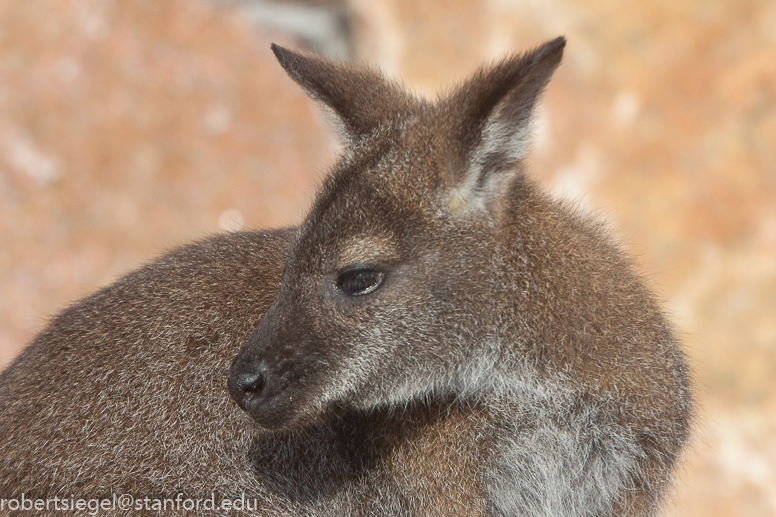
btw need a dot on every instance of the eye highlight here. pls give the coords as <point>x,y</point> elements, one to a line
<point>359,280</point>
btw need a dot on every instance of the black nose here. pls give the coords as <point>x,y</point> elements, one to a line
<point>247,386</point>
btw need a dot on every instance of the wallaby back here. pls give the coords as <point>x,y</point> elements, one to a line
<point>124,390</point>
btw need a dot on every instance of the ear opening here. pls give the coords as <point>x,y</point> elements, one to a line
<point>492,113</point>
<point>361,98</point>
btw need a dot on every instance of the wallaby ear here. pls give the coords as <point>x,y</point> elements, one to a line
<point>492,114</point>
<point>361,98</point>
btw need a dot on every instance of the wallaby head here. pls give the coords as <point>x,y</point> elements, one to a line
<point>431,265</point>
<point>397,278</point>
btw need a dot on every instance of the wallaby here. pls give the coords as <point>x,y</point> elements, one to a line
<point>446,340</point>
<point>431,267</point>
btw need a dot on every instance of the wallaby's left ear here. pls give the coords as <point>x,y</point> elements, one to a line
<point>361,98</point>
<point>491,115</point>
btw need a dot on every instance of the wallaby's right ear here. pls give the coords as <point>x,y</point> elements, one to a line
<point>361,98</point>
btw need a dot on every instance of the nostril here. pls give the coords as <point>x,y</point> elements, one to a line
<point>251,384</point>
<point>247,387</point>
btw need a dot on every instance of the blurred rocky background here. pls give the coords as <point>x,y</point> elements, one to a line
<point>128,127</point>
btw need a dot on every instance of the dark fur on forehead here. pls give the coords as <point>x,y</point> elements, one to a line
<point>345,189</point>
<point>362,98</point>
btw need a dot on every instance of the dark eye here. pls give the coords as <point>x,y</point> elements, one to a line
<point>359,280</point>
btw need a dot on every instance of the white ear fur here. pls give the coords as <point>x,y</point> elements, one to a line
<point>505,138</point>
<point>494,163</point>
